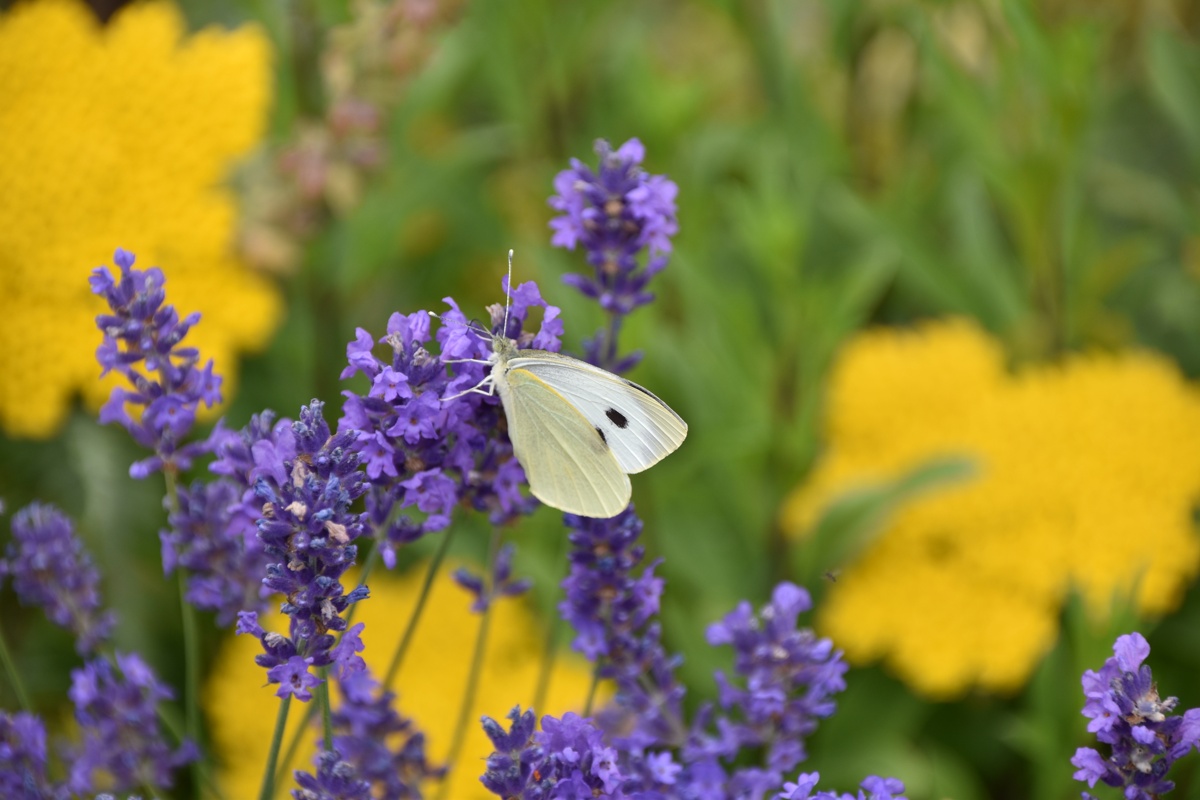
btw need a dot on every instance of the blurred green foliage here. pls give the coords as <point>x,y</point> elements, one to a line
<point>1033,165</point>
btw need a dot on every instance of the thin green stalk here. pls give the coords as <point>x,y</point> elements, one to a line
<point>591,695</point>
<point>406,640</point>
<point>191,663</point>
<point>172,725</point>
<point>191,648</point>
<point>468,700</point>
<point>546,668</point>
<point>326,713</point>
<point>14,677</point>
<point>268,784</point>
<point>550,648</point>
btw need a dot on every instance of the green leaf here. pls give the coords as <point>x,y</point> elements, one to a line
<point>852,521</point>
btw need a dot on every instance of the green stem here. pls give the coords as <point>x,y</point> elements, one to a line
<point>591,695</point>
<point>468,700</point>
<point>191,647</point>
<point>171,723</point>
<point>326,713</point>
<point>14,677</point>
<point>268,784</point>
<point>406,640</point>
<point>546,668</point>
<point>191,664</point>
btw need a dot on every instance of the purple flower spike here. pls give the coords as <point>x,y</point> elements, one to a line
<point>789,677</point>
<point>50,568</point>
<point>336,779</point>
<point>873,788</point>
<point>615,212</point>
<point>567,758</point>
<point>142,342</point>
<point>308,532</point>
<point>121,740</point>
<point>385,749</point>
<point>23,759</point>
<point>429,444</point>
<point>501,584</point>
<point>1144,736</point>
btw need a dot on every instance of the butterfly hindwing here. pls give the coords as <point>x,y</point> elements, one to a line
<point>639,428</point>
<point>567,461</point>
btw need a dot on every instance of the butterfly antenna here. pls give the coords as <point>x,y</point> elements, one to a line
<point>508,295</point>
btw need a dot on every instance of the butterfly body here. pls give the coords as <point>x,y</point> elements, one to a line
<point>577,430</point>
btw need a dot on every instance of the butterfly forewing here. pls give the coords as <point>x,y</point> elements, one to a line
<point>567,460</point>
<point>640,429</point>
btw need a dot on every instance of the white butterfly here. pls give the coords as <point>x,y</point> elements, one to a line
<point>578,431</point>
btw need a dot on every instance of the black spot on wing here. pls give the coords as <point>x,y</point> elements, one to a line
<point>603,438</point>
<point>616,417</point>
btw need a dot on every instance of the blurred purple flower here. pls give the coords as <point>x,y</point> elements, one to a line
<point>116,709</point>
<point>336,779</point>
<point>500,585</point>
<point>385,749</point>
<point>789,677</point>
<point>873,788</point>
<point>142,342</point>
<point>49,568</point>
<point>23,759</point>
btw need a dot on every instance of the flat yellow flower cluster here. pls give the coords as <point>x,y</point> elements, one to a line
<point>241,710</point>
<point>1085,476</point>
<point>119,136</point>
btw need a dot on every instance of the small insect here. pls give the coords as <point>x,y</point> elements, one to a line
<point>578,431</point>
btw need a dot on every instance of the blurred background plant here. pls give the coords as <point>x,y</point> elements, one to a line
<point>980,500</point>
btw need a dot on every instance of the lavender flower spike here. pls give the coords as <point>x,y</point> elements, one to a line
<point>502,583</point>
<point>385,749</point>
<point>615,212</point>
<point>23,759</point>
<point>873,788</point>
<point>50,568</point>
<point>116,711</point>
<point>1144,737</point>
<point>142,342</point>
<point>308,532</point>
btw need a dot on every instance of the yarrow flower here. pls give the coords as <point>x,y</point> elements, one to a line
<point>1105,497</point>
<point>615,213</point>
<point>1144,737</point>
<point>143,342</point>
<point>49,568</point>
<point>308,532</point>
<point>77,170</point>
<point>122,743</point>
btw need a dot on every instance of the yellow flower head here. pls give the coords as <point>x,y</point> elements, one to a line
<point>241,710</point>
<point>118,136</point>
<point>1085,476</point>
